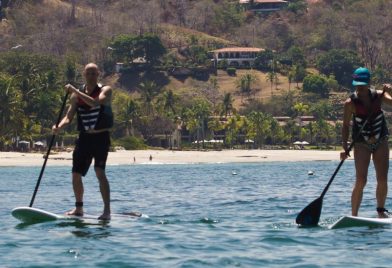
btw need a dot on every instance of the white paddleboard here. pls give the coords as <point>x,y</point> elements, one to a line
<point>36,215</point>
<point>352,221</point>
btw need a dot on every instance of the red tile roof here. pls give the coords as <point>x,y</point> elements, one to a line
<point>263,1</point>
<point>238,49</point>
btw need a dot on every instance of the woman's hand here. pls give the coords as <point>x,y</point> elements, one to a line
<point>387,87</point>
<point>343,155</point>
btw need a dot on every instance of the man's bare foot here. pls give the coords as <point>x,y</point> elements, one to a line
<point>78,211</point>
<point>105,216</point>
<point>383,215</point>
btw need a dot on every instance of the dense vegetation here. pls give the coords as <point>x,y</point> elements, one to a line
<point>316,47</point>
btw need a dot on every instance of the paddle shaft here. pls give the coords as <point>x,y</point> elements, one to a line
<point>48,152</point>
<point>347,152</point>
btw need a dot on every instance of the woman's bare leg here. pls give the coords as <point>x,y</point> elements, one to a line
<point>381,164</point>
<point>362,160</point>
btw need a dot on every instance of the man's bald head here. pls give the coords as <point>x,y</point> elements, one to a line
<point>91,73</point>
<point>91,66</point>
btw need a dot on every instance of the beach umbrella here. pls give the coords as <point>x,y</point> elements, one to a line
<point>305,143</point>
<point>24,142</point>
<point>39,143</point>
<point>249,141</point>
<point>297,143</point>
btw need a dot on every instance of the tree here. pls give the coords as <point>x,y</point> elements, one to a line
<point>227,16</point>
<point>341,63</point>
<point>215,125</point>
<point>227,105</point>
<point>245,83</point>
<point>126,111</point>
<point>298,73</point>
<point>150,47</point>
<point>297,6</point>
<point>301,108</point>
<point>259,127</point>
<point>290,77</point>
<point>167,102</point>
<point>149,90</point>
<point>322,110</point>
<point>70,71</point>
<point>12,117</point>
<point>316,84</point>
<point>272,77</point>
<point>297,56</point>
<point>232,126</point>
<point>196,118</point>
<point>323,131</point>
<point>263,60</point>
<point>131,112</point>
<point>277,132</point>
<point>127,48</point>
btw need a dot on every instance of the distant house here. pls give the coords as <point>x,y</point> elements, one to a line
<point>264,5</point>
<point>236,56</point>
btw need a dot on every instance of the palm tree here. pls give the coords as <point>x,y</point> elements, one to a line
<point>227,107</point>
<point>259,127</point>
<point>12,117</point>
<point>233,125</point>
<point>277,132</point>
<point>131,112</point>
<point>149,90</point>
<point>301,109</point>
<point>272,78</point>
<point>290,78</point>
<point>214,125</point>
<point>169,101</point>
<point>245,83</point>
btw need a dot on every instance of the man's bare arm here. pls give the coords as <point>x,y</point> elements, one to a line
<point>68,116</point>
<point>103,98</point>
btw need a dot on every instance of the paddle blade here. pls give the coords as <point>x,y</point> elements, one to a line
<point>310,215</point>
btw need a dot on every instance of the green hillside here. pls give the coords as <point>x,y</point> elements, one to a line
<point>310,51</point>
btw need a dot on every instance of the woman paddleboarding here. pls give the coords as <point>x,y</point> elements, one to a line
<point>370,133</point>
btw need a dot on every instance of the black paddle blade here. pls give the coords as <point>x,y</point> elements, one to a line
<point>310,215</point>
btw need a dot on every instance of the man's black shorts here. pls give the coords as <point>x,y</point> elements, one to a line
<point>87,147</point>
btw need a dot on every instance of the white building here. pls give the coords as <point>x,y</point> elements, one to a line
<point>236,56</point>
<point>264,5</point>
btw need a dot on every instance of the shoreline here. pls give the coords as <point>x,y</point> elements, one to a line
<point>124,157</point>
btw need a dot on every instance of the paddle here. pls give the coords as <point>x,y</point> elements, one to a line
<point>48,152</point>
<point>310,215</point>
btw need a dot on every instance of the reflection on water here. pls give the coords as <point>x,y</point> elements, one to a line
<point>92,233</point>
<point>200,215</point>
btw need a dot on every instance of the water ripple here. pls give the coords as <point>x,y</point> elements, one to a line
<point>199,216</point>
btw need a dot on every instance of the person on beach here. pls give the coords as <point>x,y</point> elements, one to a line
<point>372,141</point>
<point>92,104</point>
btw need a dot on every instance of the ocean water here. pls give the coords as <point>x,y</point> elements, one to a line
<point>199,216</point>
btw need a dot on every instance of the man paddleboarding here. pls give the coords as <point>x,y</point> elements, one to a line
<point>371,137</point>
<point>92,105</point>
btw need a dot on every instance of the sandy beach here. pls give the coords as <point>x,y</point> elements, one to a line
<point>174,157</point>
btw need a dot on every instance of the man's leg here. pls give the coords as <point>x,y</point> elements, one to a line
<point>362,160</point>
<point>105,192</point>
<point>81,161</point>
<point>381,164</point>
<point>78,189</point>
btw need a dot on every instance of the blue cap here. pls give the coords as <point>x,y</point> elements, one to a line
<point>361,77</point>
